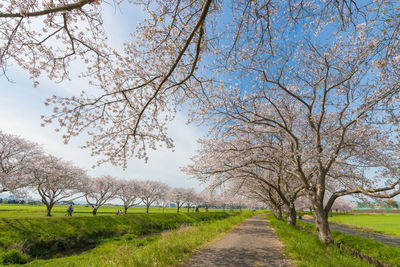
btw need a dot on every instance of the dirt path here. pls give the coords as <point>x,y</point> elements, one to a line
<point>253,243</point>
<point>385,239</point>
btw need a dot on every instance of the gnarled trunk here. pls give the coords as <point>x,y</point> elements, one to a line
<point>321,222</point>
<point>125,209</point>
<point>147,208</point>
<point>291,214</point>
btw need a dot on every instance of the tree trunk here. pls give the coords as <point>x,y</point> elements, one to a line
<point>321,222</point>
<point>147,208</point>
<point>188,209</point>
<point>94,212</point>
<point>48,209</point>
<point>291,215</point>
<point>177,209</point>
<point>125,210</point>
<point>206,207</point>
<point>278,213</point>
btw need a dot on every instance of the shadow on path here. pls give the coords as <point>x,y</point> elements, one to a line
<point>253,243</point>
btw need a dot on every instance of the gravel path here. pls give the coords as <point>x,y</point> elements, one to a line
<point>385,239</point>
<point>253,243</point>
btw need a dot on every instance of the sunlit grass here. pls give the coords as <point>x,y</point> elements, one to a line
<point>306,249</point>
<point>388,223</point>
<point>384,253</point>
<point>40,237</point>
<point>168,249</point>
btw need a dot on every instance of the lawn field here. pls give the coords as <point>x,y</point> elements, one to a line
<point>26,210</point>
<point>387,223</point>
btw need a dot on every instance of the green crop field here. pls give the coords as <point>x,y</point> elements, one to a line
<point>26,210</point>
<point>388,223</point>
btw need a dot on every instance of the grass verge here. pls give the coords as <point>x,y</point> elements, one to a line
<point>306,249</point>
<point>170,248</point>
<point>43,237</point>
<point>384,253</point>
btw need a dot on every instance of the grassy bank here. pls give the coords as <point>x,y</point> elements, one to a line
<point>41,237</point>
<point>386,223</point>
<point>384,253</point>
<point>170,248</point>
<point>306,249</point>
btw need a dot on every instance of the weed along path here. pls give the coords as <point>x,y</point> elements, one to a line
<point>385,239</point>
<point>253,243</point>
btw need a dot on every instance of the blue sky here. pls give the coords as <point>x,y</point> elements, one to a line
<point>21,107</point>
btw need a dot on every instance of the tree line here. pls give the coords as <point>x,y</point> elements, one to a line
<point>25,167</point>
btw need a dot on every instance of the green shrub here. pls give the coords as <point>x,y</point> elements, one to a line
<point>13,256</point>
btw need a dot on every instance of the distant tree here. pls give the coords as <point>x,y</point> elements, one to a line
<point>151,192</point>
<point>55,180</point>
<point>99,190</point>
<point>207,198</point>
<point>128,192</point>
<point>16,155</point>
<point>178,197</point>
<point>190,198</point>
<point>164,198</point>
<point>392,204</point>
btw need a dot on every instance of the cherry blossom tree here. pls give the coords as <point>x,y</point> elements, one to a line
<point>98,191</point>
<point>342,205</point>
<point>189,198</point>
<point>164,199</point>
<point>55,180</point>
<point>151,192</point>
<point>141,87</point>
<point>177,196</point>
<point>129,193</point>
<point>44,37</point>
<point>207,198</point>
<point>249,164</point>
<point>16,155</point>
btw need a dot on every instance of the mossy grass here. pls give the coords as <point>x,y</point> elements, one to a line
<point>168,249</point>
<point>306,249</point>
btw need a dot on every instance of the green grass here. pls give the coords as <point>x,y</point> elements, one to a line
<point>387,223</point>
<point>170,248</point>
<point>26,210</point>
<point>377,250</point>
<point>306,249</point>
<point>46,236</point>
